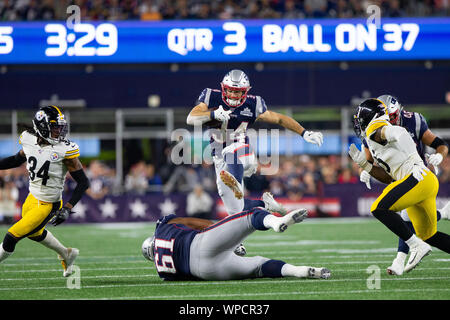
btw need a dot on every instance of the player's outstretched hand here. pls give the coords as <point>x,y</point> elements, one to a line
<point>60,216</point>
<point>365,177</point>
<point>313,137</point>
<point>221,115</point>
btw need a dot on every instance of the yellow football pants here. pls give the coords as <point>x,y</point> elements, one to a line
<point>35,215</point>
<point>417,197</point>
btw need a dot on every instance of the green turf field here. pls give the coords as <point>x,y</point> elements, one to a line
<point>111,266</point>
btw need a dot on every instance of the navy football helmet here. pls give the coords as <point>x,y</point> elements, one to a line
<point>365,112</point>
<point>49,123</point>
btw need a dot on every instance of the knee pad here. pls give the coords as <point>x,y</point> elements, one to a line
<point>39,238</point>
<point>9,242</point>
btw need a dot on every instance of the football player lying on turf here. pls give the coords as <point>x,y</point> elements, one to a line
<point>198,249</point>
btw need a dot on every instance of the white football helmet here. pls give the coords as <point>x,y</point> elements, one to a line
<point>234,82</point>
<point>394,108</point>
<point>148,248</point>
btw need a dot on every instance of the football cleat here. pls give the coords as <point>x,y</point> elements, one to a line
<point>272,205</point>
<point>319,273</point>
<point>240,250</point>
<point>397,268</point>
<point>231,182</point>
<point>67,263</point>
<point>282,223</point>
<point>417,253</point>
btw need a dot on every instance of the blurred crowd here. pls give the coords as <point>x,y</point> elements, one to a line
<point>29,10</point>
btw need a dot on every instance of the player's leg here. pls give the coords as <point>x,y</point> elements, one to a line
<point>232,204</point>
<point>398,196</point>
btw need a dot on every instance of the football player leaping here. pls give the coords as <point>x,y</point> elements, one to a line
<point>417,127</point>
<point>411,185</point>
<point>49,156</point>
<point>233,110</point>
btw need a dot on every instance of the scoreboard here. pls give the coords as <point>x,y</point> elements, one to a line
<point>179,41</point>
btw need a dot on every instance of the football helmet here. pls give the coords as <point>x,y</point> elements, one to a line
<point>367,111</point>
<point>148,248</point>
<point>235,86</point>
<point>394,108</point>
<point>49,123</point>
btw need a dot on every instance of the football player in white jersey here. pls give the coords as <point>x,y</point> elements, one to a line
<point>48,156</point>
<point>411,185</point>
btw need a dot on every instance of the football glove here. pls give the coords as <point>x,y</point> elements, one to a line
<point>313,137</point>
<point>435,159</point>
<point>60,216</point>
<point>359,157</point>
<point>365,177</point>
<point>220,114</point>
<point>418,172</point>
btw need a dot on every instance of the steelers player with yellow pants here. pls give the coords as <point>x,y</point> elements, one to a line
<point>411,185</point>
<point>48,156</point>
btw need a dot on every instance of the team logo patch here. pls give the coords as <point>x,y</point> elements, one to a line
<point>246,112</point>
<point>54,156</point>
<point>40,115</point>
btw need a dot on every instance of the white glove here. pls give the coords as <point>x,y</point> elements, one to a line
<point>313,137</point>
<point>221,115</point>
<point>418,172</point>
<point>435,159</point>
<point>365,177</point>
<point>359,157</point>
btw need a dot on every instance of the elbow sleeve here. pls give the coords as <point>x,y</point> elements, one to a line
<point>82,185</point>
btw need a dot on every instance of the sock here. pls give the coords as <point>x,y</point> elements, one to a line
<point>402,246</point>
<point>289,270</point>
<point>393,222</point>
<point>413,240</point>
<point>258,217</point>
<point>401,257</point>
<point>52,243</point>
<point>440,240</point>
<point>3,253</point>
<point>272,268</point>
<point>250,204</point>
<point>439,216</point>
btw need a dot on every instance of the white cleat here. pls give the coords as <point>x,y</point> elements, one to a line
<point>296,216</point>
<point>67,263</point>
<point>397,268</point>
<point>445,212</point>
<point>272,205</point>
<point>319,273</point>
<point>417,253</point>
<point>240,250</point>
<point>231,182</point>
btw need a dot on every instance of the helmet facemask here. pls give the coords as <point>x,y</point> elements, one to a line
<point>148,248</point>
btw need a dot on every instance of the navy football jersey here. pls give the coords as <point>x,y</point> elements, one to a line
<point>416,125</point>
<point>240,118</point>
<point>172,249</point>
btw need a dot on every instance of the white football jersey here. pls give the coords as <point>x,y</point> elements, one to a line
<point>390,156</point>
<point>45,166</point>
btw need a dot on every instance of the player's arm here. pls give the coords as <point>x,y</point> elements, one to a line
<point>291,124</point>
<point>76,170</point>
<point>191,222</point>
<point>441,147</point>
<point>13,161</point>
<point>375,171</point>
<point>199,115</point>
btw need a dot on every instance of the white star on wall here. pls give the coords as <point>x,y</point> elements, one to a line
<point>79,211</point>
<point>167,207</point>
<point>138,209</point>
<point>108,209</point>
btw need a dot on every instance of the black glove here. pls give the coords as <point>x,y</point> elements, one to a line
<point>60,216</point>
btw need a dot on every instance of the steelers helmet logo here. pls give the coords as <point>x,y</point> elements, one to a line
<point>40,115</point>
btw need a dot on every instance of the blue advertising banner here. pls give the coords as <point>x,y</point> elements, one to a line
<point>224,41</point>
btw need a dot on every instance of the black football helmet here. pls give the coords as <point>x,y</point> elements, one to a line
<point>49,123</point>
<point>366,112</point>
